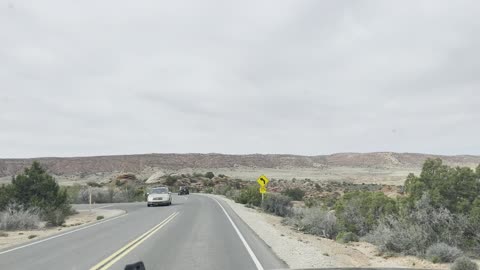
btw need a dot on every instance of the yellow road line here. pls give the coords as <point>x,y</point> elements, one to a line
<point>110,260</point>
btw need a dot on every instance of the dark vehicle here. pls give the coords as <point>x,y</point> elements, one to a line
<point>183,191</point>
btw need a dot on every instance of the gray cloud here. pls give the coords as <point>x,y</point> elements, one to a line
<point>302,77</point>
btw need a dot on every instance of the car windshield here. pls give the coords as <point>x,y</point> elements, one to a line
<point>238,135</point>
<point>161,190</point>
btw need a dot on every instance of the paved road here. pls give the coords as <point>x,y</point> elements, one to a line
<point>195,232</point>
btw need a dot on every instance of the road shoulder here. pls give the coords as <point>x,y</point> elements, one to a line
<point>82,218</point>
<point>301,250</point>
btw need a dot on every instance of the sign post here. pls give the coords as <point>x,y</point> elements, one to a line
<point>90,198</point>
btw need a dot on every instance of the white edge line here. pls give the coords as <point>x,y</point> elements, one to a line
<point>105,206</point>
<point>88,209</point>
<point>62,234</point>
<point>249,250</point>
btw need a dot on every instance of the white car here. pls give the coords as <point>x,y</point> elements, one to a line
<point>159,196</point>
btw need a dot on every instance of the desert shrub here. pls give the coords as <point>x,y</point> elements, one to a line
<point>32,236</point>
<point>313,202</point>
<point>208,190</point>
<point>171,180</point>
<point>15,217</point>
<point>56,216</point>
<point>209,175</point>
<point>276,204</point>
<point>295,193</point>
<point>120,183</point>
<point>395,235</point>
<point>111,194</point>
<point>72,192</point>
<point>413,232</point>
<point>197,174</point>
<point>6,195</point>
<point>99,195</point>
<point>249,195</point>
<point>359,212</point>
<point>443,253</point>
<point>100,217</point>
<point>221,190</point>
<point>313,221</point>
<point>232,193</point>
<point>346,237</point>
<point>451,188</point>
<point>463,263</point>
<point>36,189</point>
<point>94,184</point>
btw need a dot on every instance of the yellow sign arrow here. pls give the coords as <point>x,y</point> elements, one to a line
<point>263,180</point>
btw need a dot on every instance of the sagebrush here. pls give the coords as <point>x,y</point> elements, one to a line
<point>15,217</point>
<point>277,204</point>
<point>315,221</point>
<point>443,253</point>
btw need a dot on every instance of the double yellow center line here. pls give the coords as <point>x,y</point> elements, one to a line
<point>110,260</point>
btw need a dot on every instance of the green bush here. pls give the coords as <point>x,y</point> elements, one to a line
<point>209,175</point>
<point>277,204</point>
<point>6,195</point>
<point>346,237</point>
<point>36,189</point>
<point>453,188</point>
<point>249,195</point>
<point>463,263</point>
<point>100,217</point>
<point>360,211</point>
<point>295,193</point>
<point>171,180</point>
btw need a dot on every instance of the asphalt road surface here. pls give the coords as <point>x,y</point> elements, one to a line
<point>195,232</point>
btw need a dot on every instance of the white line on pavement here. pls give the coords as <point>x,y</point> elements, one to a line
<point>105,206</point>
<point>60,235</point>
<point>249,250</point>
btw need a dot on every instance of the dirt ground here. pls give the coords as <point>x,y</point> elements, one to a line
<point>301,250</point>
<point>11,238</point>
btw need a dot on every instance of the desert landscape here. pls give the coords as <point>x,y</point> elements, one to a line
<point>378,168</point>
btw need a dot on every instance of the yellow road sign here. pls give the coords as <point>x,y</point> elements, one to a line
<point>263,180</point>
<point>263,190</point>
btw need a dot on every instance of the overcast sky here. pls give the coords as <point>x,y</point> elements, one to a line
<point>302,77</point>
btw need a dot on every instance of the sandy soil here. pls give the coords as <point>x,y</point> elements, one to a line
<point>11,238</point>
<point>300,250</point>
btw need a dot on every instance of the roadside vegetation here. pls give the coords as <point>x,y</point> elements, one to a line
<point>32,200</point>
<point>435,215</point>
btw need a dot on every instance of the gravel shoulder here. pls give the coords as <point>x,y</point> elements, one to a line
<point>12,238</point>
<point>301,250</point>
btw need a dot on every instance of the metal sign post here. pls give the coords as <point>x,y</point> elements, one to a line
<point>90,198</point>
